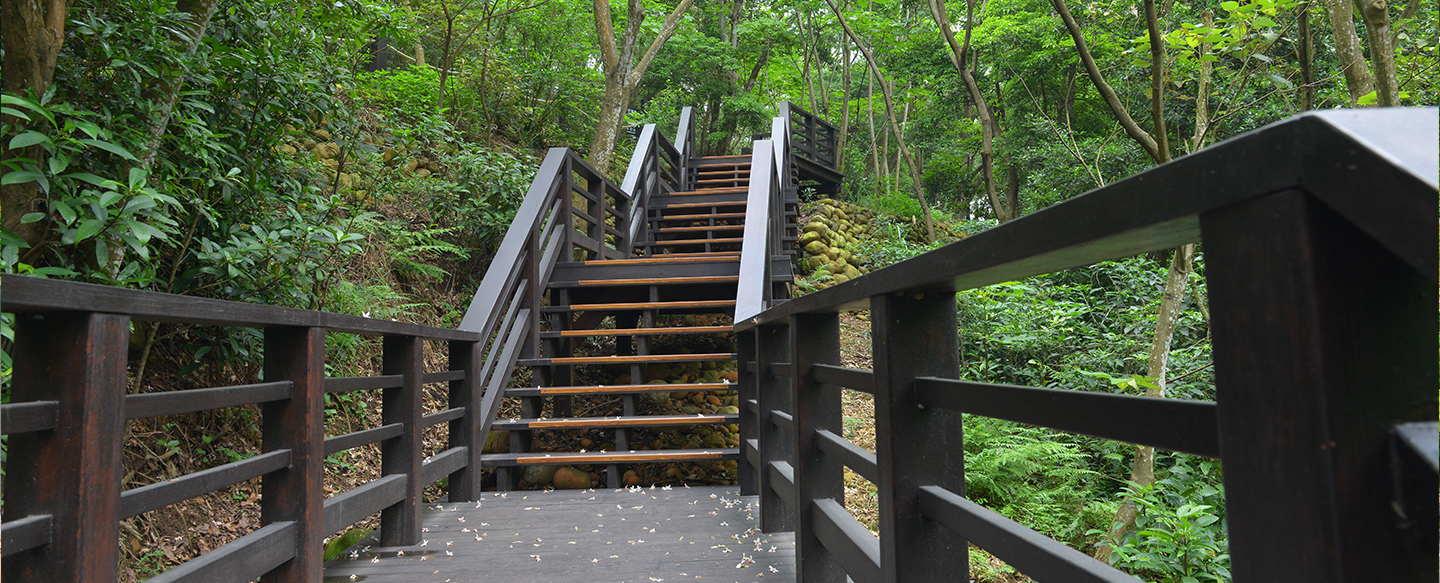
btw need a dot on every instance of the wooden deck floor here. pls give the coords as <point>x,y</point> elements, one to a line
<point>582,536</point>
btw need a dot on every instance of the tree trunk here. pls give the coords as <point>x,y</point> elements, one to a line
<point>1306,49</point>
<point>890,113</point>
<point>1382,53</point>
<point>874,143</point>
<point>1143,470</point>
<point>1202,91</point>
<point>1157,82</point>
<point>200,12</point>
<point>621,77</point>
<point>32,33</point>
<point>958,56</point>
<point>844,102</point>
<point>1348,52</point>
<point>1112,100</point>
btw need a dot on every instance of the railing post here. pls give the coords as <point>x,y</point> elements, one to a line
<point>296,494</point>
<point>915,335</point>
<point>815,339</point>
<point>749,390</point>
<point>776,445</point>
<point>403,355</point>
<point>71,473</point>
<point>465,432</point>
<point>1323,341</point>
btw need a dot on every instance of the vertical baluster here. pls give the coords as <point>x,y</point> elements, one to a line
<point>400,523</point>
<point>815,339</point>
<point>296,494</point>
<point>748,390</point>
<point>465,431</point>
<point>71,473</point>
<point>1323,340</point>
<point>915,335</point>
<point>775,444</point>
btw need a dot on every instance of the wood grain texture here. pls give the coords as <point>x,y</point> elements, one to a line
<point>681,534</point>
<point>296,494</point>
<point>73,472</point>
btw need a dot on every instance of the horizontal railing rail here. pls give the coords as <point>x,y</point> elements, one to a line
<point>1318,234</point>
<point>65,423</point>
<point>656,168</point>
<point>814,139</point>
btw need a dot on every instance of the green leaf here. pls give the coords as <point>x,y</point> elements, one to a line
<point>88,228</point>
<point>112,148</point>
<point>9,239</point>
<point>32,217</point>
<point>19,177</point>
<point>26,139</point>
<point>139,203</point>
<point>1370,98</point>
<point>88,127</point>
<point>58,164</point>
<point>52,271</point>
<point>1264,21</point>
<point>65,211</point>
<point>15,112</point>
<point>92,179</point>
<point>137,177</point>
<point>1230,6</point>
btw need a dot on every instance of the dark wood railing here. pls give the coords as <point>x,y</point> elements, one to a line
<point>657,168</point>
<point>1319,237</point>
<point>812,138</point>
<point>765,225</point>
<point>66,420</point>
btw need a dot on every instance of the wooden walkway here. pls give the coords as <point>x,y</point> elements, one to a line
<point>582,536</point>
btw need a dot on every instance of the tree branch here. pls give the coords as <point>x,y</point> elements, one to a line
<point>608,55</point>
<point>666,31</point>
<point>1132,129</point>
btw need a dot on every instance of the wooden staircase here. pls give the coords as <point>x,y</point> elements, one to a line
<point>611,327</point>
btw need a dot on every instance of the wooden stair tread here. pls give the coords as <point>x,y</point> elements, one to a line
<point>695,241</point>
<point>651,281</point>
<point>702,217</point>
<point>617,389</point>
<point>641,359</point>
<point>662,259</point>
<point>645,305</point>
<point>630,421</point>
<point>739,160</point>
<point>736,189</point>
<point>687,205</point>
<point>694,229</point>
<point>603,457</point>
<point>640,331</point>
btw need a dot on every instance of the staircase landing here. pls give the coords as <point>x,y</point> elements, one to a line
<point>634,535</point>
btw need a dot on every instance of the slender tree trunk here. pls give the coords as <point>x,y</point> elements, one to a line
<point>958,55</point>
<point>32,33</point>
<point>1157,82</point>
<point>1202,91</point>
<point>844,102</point>
<point>200,12</point>
<point>890,113</point>
<point>874,144</point>
<point>1382,53</point>
<point>1306,49</point>
<point>1112,100</point>
<point>1348,52</point>
<point>1143,470</point>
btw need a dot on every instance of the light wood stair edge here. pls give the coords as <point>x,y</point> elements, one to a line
<point>680,305</point>
<point>661,331</point>
<point>618,389</point>
<point>645,359</point>
<point>647,281</point>
<point>622,421</point>
<point>608,457</point>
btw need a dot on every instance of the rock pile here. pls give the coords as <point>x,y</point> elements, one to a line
<point>834,227</point>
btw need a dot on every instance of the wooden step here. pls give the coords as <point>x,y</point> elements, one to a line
<point>679,258</point>
<point>741,160</point>
<point>645,359</point>
<point>701,183</point>
<point>736,189</point>
<point>703,228</point>
<point>688,205</point>
<point>702,217</point>
<point>695,241</point>
<point>632,421</point>
<point>618,389</point>
<point>610,457</point>
<point>640,331</point>
<point>648,281</point>
<point>683,305</point>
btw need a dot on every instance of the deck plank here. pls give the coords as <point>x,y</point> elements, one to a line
<point>680,534</point>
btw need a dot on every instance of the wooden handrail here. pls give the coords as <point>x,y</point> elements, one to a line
<point>66,425</point>
<point>1322,273</point>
